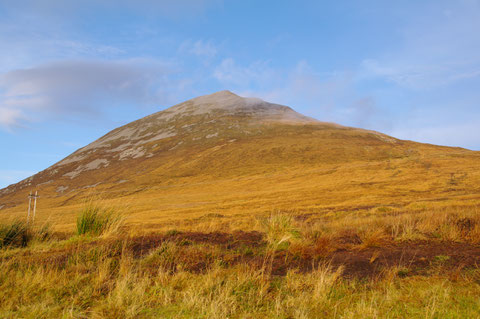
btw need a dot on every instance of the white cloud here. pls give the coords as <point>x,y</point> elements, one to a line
<point>78,87</point>
<point>362,112</point>
<point>302,86</point>
<point>40,31</point>
<point>420,76</point>
<point>10,117</point>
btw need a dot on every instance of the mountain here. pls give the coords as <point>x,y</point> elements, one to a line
<point>229,155</point>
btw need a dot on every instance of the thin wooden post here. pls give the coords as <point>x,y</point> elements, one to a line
<point>29,202</point>
<point>35,206</point>
<point>30,196</point>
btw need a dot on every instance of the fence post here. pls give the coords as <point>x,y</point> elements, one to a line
<point>35,206</point>
<point>29,202</point>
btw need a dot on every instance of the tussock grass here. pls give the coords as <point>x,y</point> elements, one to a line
<point>279,231</point>
<point>15,234</point>
<point>374,238</point>
<point>94,219</point>
<point>279,228</point>
<point>44,232</point>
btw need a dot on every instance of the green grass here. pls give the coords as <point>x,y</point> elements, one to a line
<point>17,234</point>
<point>97,220</point>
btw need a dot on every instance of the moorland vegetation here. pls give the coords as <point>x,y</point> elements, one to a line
<point>384,263</point>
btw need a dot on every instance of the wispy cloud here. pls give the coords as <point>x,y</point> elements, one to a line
<point>200,48</point>
<point>439,47</point>
<point>363,111</point>
<point>78,88</point>
<point>229,72</point>
<point>41,31</point>
<point>423,76</point>
<point>325,96</point>
<point>10,118</point>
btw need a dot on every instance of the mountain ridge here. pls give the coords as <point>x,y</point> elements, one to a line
<point>129,139</point>
<point>223,102</point>
<point>263,154</point>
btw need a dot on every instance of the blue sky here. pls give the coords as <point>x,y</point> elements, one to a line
<point>70,71</point>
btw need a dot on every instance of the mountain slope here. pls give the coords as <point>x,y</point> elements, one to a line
<point>226,154</point>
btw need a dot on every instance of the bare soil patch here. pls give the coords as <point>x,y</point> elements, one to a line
<point>197,252</point>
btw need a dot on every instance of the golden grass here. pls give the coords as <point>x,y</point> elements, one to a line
<point>350,210</point>
<point>312,170</point>
<point>108,278</point>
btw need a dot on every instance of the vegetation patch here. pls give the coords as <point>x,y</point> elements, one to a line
<point>97,220</point>
<point>356,266</point>
<point>15,234</point>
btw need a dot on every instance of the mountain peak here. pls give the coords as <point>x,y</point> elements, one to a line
<point>217,97</point>
<point>221,99</point>
<point>227,103</point>
<point>196,123</point>
<point>222,93</point>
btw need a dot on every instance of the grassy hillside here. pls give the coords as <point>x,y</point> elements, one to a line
<point>309,169</point>
<point>240,157</point>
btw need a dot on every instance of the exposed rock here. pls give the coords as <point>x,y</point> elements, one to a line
<point>61,189</point>
<point>87,167</point>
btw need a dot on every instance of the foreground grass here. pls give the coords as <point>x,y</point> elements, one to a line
<point>17,233</point>
<point>388,264</point>
<point>98,286</point>
<point>85,277</point>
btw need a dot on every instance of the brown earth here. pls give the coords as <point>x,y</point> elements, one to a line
<point>197,252</point>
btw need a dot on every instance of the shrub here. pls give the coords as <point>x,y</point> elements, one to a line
<point>97,220</point>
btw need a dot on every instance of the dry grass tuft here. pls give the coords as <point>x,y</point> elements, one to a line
<point>279,229</point>
<point>95,219</point>
<point>374,238</point>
